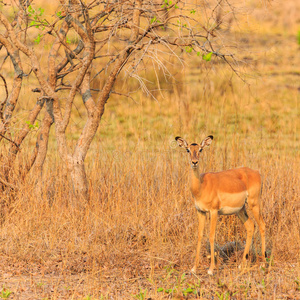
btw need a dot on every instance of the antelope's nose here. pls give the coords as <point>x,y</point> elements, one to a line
<point>194,162</point>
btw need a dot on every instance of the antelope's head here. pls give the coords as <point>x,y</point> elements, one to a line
<point>194,149</point>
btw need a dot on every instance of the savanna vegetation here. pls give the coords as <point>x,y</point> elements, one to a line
<point>95,198</point>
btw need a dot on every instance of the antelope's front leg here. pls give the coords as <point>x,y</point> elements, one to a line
<point>213,225</point>
<point>201,219</point>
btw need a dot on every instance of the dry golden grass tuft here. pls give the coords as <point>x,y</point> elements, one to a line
<point>137,237</point>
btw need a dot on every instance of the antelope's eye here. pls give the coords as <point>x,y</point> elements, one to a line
<point>200,150</point>
<point>187,150</point>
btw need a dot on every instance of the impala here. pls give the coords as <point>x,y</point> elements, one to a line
<point>223,193</point>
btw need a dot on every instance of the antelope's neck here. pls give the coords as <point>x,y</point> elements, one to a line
<point>196,182</point>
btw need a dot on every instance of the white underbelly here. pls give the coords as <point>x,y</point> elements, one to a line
<point>227,210</point>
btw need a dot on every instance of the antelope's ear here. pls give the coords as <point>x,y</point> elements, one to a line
<point>206,142</point>
<point>181,142</point>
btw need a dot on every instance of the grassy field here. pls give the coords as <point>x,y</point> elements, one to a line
<point>137,237</point>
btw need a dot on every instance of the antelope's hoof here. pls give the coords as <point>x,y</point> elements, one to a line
<point>210,272</point>
<point>243,264</point>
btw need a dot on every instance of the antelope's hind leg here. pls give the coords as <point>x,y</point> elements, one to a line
<point>262,227</point>
<point>248,223</point>
<point>212,234</point>
<point>254,203</point>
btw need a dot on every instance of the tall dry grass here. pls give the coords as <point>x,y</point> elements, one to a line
<point>141,217</point>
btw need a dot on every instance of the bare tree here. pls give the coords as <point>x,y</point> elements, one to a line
<point>90,40</point>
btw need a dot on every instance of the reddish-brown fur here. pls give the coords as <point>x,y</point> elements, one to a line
<point>225,193</point>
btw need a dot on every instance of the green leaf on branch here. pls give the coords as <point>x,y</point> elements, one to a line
<point>31,11</point>
<point>59,14</point>
<point>38,39</point>
<point>41,11</point>
<point>207,56</point>
<point>188,49</point>
<point>167,3</point>
<point>31,126</point>
<point>154,19</point>
<point>36,14</point>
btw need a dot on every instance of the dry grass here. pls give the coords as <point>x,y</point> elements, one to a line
<point>139,231</point>
<point>137,235</point>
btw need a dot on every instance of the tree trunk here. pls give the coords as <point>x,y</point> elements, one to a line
<point>95,113</point>
<point>79,182</point>
<point>38,158</point>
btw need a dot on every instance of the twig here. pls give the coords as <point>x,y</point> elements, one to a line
<point>6,91</point>
<point>10,140</point>
<point>125,95</point>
